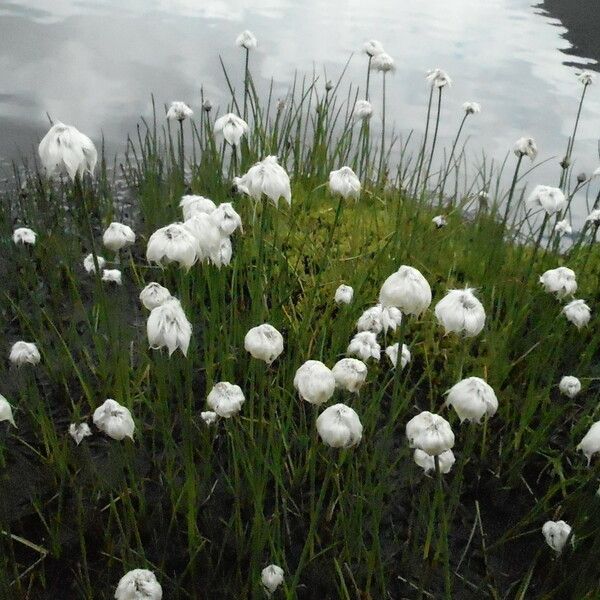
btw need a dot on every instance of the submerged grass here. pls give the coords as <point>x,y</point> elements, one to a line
<point>206,508</point>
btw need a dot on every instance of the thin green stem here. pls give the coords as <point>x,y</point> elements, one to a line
<point>567,159</point>
<point>421,157</point>
<point>246,83</point>
<point>444,533</point>
<point>368,77</point>
<point>536,246</point>
<point>449,165</point>
<point>181,150</point>
<point>511,192</point>
<point>435,133</point>
<point>382,154</point>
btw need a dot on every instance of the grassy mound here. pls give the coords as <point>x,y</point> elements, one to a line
<point>207,507</point>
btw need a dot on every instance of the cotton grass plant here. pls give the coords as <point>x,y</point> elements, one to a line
<point>230,452</point>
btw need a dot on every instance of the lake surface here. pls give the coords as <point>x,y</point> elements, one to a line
<point>94,63</point>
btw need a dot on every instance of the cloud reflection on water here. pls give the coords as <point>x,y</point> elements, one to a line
<point>95,64</point>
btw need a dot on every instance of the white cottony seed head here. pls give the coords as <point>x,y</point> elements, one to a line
<point>207,233</point>
<point>586,78</point>
<point>231,127</point>
<point>594,217</point>
<point>24,235</point>
<point>350,374</point>
<point>407,290</point>
<point>560,281</point>
<point>438,78</point>
<point>209,417</point>
<point>364,345</point>
<point>246,40</point>
<point>372,48</point>
<point>526,146</point>
<point>78,431</point>
<point>221,255</point>
<point>427,462</point>
<point>264,342</point>
<point>344,294</point>
<point>472,399</point>
<point>117,236</point>
<point>363,110</point>
<point>179,111</point>
<point>383,63</point>
<point>431,433</point>
<point>378,319</point>
<point>392,354</point>
<point>569,386</point>
<point>65,149</point>
<point>472,108</point>
<point>139,584</point>
<point>6,413</point>
<point>551,199</point>
<point>315,382</point>
<point>590,444</point>
<point>461,312</point>
<point>226,399</point>
<point>24,353</point>
<point>266,177</point>
<point>556,534</point>
<point>578,312</point>
<point>271,578</point>
<point>154,295</point>
<point>168,327</point>
<point>173,243</point>
<point>440,221</point>
<point>344,183</point>
<point>191,205</point>
<point>114,420</point>
<point>227,219</point>
<point>88,263</point>
<point>112,276</point>
<point>339,426</point>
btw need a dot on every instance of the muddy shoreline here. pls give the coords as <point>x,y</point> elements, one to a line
<point>582,21</point>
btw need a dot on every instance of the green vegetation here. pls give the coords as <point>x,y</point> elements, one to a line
<point>207,507</point>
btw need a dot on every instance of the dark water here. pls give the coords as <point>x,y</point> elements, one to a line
<point>93,64</point>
